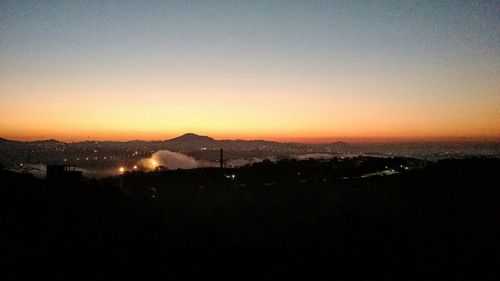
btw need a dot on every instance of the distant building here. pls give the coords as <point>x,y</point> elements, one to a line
<point>63,172</point>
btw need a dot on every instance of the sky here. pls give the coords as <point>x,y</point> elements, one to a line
<point>282,70</point>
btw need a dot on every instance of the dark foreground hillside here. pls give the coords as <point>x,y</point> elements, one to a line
<point>285,220</point>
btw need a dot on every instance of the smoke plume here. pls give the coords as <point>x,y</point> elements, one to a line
<point>172,161</point>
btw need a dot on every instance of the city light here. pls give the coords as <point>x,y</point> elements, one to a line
<point>121,169</point>
<point>135,167</point>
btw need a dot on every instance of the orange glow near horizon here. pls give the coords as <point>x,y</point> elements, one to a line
<point>281,71</point>
<point>278,117</point>
<point>273,117</point>
<point>305,138</point>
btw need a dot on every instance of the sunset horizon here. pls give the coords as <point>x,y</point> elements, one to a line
<point>292,139</point>
<point>249,140</point>
<point>280,71</point>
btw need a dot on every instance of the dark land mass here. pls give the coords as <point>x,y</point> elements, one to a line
<point>103,155</point>
<point>291,219</point>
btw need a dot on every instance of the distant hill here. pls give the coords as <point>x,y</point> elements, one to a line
<point>194,142</point>
<point>340,143</point>
<point>341,146</point>
<point>206,148</point>
<point>50,141</point>
<point>187,140</point>
<point>190,137</point>
<point>3,140</point>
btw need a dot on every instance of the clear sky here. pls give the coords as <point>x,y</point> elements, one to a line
<point>285,70</point>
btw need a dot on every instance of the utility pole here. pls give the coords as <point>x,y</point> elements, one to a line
<point>221,160</point>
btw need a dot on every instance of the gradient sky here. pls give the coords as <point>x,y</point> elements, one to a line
<point>285,70</point>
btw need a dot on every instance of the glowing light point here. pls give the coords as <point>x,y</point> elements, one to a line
<point>135,167</point>
<point>121,169</point>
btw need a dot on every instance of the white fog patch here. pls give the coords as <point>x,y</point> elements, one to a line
<point>170,160</point>
<point>313,156</point>
<point>40,171</point>
<point>175,160</point>
<point>234,163</point>
<point>206,163</point>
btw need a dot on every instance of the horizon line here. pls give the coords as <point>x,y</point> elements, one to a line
<point>290,140</point>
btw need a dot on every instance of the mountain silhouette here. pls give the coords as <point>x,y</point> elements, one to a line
<point>190,137</point>
<point>189,142</point>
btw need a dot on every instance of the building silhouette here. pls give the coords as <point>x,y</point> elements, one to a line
<point>63,172</point>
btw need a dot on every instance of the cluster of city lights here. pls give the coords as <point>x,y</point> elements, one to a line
<point>122,169</point>
<point>151,164</point>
